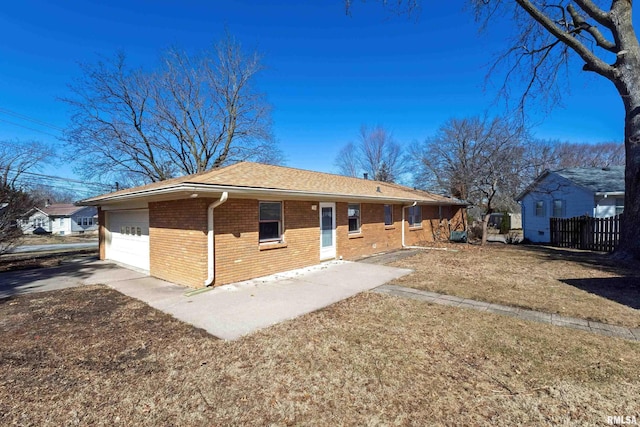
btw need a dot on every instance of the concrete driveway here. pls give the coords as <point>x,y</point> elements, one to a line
<point>227,312</point>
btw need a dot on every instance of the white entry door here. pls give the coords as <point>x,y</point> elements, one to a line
<point>327,230</point>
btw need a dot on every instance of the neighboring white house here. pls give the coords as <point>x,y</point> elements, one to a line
<point>62,219</point>
<point>567,193</point>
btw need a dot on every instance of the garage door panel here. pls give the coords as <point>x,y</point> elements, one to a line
<point>129,237</point>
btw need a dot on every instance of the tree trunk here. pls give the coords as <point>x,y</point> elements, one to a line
<point>485,226</point>
<point>627,82</point>
<point>629,246</point>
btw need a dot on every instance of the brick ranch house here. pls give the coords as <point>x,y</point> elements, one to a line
<point>249,220</point>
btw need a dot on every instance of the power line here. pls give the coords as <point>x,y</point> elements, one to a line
<point>96,184</point>
<point>30,119</point>
<point>30,128</point>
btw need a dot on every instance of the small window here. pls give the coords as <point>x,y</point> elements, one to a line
<point>138,231</point>
<point>540,208</point>
<point>558,209</point>
<point>354,217</point>
<point>388,215</point>
<point>127,230</point>
<point>415,216</point>
<point>270,222</point>
<point>122,229</point>
<point>619,205</point>
<point>84,221</point>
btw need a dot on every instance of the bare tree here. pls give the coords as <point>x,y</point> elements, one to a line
<point>549,38</point>
<point>541,155</point>
<point>474,159</point>
<point>375,153</point>
<point>17,159</point>
<point>194,113</point>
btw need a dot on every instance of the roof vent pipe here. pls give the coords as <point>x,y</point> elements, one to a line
<point>211,270</point>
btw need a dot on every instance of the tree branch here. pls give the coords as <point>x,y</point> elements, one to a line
<point>593,63</point>
<point>581,23</point>
<point>599,15</point>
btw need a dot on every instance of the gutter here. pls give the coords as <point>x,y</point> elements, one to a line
<point>250,191</point>
<point>211,270</point>
<point>403,208</point>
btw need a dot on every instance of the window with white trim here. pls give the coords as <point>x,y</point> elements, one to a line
<point>415,216</point>
<point>353,211</point>
<point>270,219</point>
<point>388,214</point>
<point>540,208</point>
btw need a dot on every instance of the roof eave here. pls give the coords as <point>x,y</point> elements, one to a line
<point>186,190</point>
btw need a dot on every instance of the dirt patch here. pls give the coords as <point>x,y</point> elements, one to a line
<point>92,356</point>
<point>49,239</point>
<point>11,262</point>
<point>573,283</point>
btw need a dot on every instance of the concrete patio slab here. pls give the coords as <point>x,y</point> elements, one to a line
<point>231,311</point>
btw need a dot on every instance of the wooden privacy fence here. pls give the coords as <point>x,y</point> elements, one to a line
<point>585,232</point>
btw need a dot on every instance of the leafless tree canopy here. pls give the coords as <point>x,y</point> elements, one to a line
<point>544,155</point>
<point>375,153</point>
<point>474,159</point>
<point>193,113</point>
<point>550,37</point>
<point>16,159</point>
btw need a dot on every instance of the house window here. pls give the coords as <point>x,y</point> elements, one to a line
<point>415,216</point>
<point>270,221</point>
<point>619,205</point>
<point>558,209</point>
<point>388,215</point>
<point>354,217</point>
<point>540,208</point>
<point>84,221</point>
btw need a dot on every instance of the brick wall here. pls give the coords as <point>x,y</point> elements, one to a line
<point>374,236</point>
<point>178,241</point>
<point>178,238</point>
<point>240,256</point>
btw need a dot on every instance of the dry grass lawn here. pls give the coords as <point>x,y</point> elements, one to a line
<point>91,356</point>
<point>572,283</point>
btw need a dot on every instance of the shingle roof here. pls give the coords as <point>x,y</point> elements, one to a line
<point>61,209</point>
<point>598,180</point>
<point>248,175</point>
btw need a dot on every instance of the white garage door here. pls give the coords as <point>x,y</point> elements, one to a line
<point>128,237</point>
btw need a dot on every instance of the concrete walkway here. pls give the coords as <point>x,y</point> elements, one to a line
<point>632,334</point>
<point>231,311</point>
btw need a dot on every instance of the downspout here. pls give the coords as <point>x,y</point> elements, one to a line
<point>211,271</point>
<point>403,208</point>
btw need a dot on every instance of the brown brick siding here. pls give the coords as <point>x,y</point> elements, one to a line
<point>178,238</point>
<point>178,241</point>
<point>239,255</point>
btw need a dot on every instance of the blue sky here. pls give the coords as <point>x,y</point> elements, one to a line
<point>327,73</point>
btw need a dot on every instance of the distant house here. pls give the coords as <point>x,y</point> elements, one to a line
<point>62,219</point>
<point>567,193</point>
